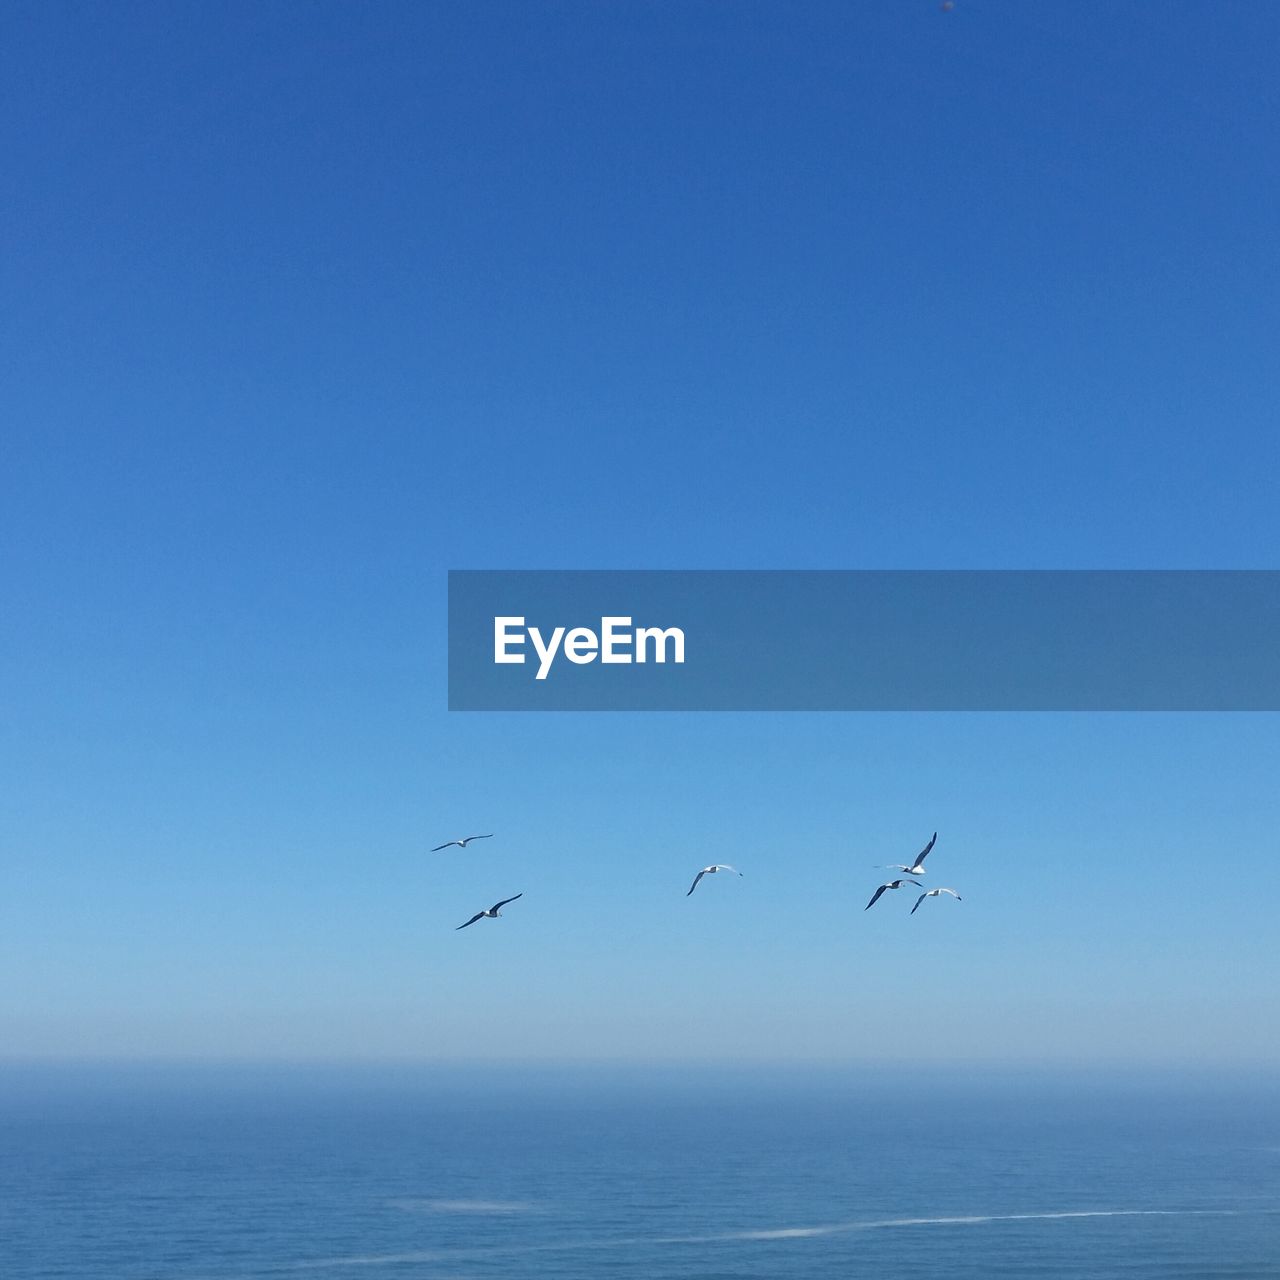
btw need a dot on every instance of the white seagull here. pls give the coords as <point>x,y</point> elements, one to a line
<point>933,893</point>
<point>462,844</point>
<point>710,871</point>
<point>893,884</point>
<point>492,913</point>
<point>918,868</point>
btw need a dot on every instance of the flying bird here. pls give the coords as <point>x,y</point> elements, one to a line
<point>462,844</point>
<point>918,868</point>
<point>933,893</point>
<point>492,913</point>
<point>710,871</point>
<point>893,884</point>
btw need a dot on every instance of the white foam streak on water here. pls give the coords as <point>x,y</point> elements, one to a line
<point>881,1224</point>
<point>481,1207</point>
<point>768,1233</point>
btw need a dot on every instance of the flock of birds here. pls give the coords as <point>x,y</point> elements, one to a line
<point>914,870</point>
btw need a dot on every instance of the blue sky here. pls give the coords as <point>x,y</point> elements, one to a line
<point>307,305</point>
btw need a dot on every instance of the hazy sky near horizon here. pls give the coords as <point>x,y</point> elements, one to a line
<point>306,305</point>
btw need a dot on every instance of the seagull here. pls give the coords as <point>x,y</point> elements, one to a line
<point>893,884</point>
<point>462,844</point>
<point>492,913</point>
<point>918,868</point>
<point>933,893</point>
<point>710,871</point>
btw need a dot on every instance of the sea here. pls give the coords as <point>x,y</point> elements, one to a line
<point>591,1173</point>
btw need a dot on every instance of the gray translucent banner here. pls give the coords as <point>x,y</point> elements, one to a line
<point>587,640</point>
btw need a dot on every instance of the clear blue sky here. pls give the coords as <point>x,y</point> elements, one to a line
<point>306,304</point>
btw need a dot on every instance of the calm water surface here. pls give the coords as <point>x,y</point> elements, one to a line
<point>185,1181</point>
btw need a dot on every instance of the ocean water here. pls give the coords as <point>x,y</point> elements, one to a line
<point>578,1176</point>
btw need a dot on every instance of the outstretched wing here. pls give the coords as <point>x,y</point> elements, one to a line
<point>696,878</point>
<point>924,853</point>
<point>875,897</point>
<point>469,839</point>
<point>446,844</point>
<point>479,915</point>
<point>919,900</point>
<point>498,905</point>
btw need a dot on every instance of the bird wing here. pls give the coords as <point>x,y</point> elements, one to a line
<point>446,844</point>
<point>919,900</point>
<point>469,839</point>
<point>952,892</point>
<point>875,897</point>
<point>724,866</point>
<point>504,902</point>
<point>924,853</point>
<point>479,915</point>
<point>696,878</point>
